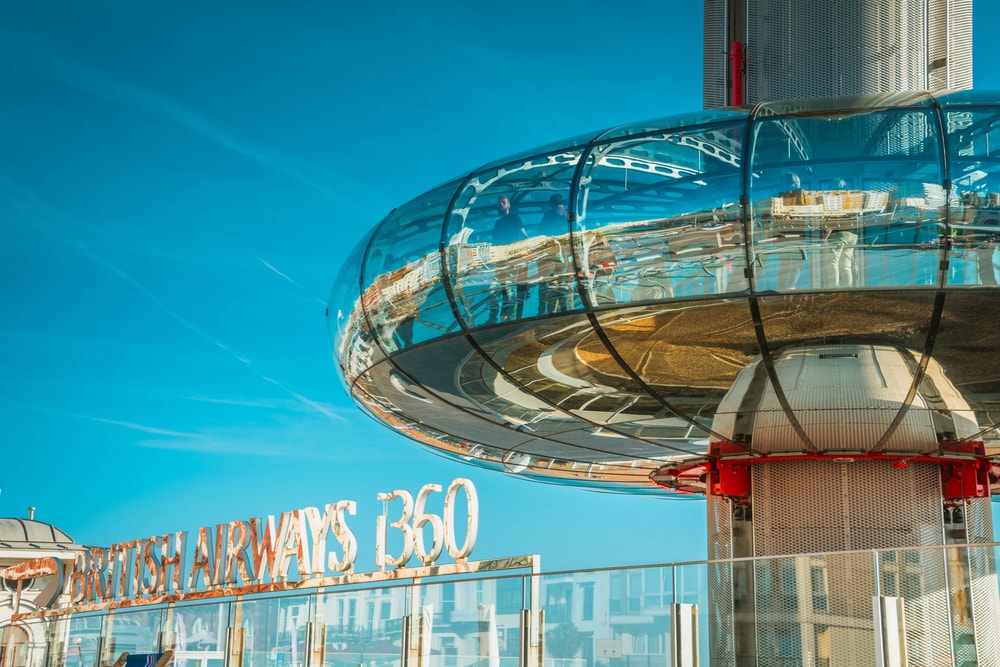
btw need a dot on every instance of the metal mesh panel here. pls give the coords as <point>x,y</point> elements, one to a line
<point>923,585</point>
<point>815,48</point>
<point>714,81</point>
<point>985,604</point>
<point>979,521</point>
<point>959,44</point>
<point>720,575</point>
<point>949,34</point>
<point>811,506</point>
<point>982,568</point>
<point>844,401</point>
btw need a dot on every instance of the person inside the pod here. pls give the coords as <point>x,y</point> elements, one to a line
<point>555,219</point>
<point>511,273</point>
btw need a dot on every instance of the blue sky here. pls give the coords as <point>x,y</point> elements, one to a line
<point>179,184</point>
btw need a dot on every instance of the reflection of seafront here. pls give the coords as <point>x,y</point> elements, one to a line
<point>801,240</point>
<point>661,270</point>
<point>694,365</point>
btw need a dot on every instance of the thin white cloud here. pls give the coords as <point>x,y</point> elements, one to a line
<point>298,438</point>
<point>84,249</point>
<point>290,280</point>
<point>152,430</point>
<point>146,100</point>
<point>254,444</point>
<point>140,427</point>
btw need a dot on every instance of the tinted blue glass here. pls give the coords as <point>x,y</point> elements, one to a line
<point>970,97</point>
<point>841,106</point>
<point>662,217</point>
<point>563,145</point>
<point>352,348</point>
<point>509,252</point>
<point>973,142</point>
<point>404,295</point>
<point>843,194</point>
<point>846,202</point>
<point>683,123</point>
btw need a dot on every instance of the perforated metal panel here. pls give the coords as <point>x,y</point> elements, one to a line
<point>949,31</point>
<point>845,397</point>
<point>923,584</point>
<point>714,80</point>
<point>982,568</point>
<point>808,507</point>
<point>803,507</point>
<point>816,48</point>
<point>721,626</point>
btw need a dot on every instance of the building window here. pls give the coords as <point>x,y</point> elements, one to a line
<point>510,596</point>
<point>559,602</point>
<point>447,600</point>
<point>634,592</point>
<point>616,592</point>
<point>450,651</point>
<point>587,613</point>
<point>817,581</point>
<point>890,583</point>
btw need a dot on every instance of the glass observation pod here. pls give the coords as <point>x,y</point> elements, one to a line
<point>620,303</point>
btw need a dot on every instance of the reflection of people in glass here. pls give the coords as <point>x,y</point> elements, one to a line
<point>790,244</point>
<point>600,261</point>
<point>555,293</point>
<point>508,228</point>
<point>511,289</point>
<point>841,241</point>
<point>982,213</point>
<point>554,220</point>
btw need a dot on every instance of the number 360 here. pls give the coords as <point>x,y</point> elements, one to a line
<point>413,519</point>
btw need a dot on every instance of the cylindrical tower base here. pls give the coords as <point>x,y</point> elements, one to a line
<point>798,598</point>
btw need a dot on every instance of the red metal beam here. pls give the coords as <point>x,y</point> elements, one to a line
<point>965,470</point>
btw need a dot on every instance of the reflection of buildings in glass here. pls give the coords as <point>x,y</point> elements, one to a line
<point>697,275</point>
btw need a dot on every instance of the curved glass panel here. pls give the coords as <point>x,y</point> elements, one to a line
<point>970,97</point>
<point>662,217</point>
<point>508,251</point>
<point>841,106</point>
<point>573,144</point>
<point>973,141</point>
<point>404,294</point>
<point>687,354</point>
<point>353,347</point>
<point>742,269</point>
<point>394,396</point>
<point>817,337</point>
<point>846,202</point>
<point>967,403</point>
<point>678,122</point>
